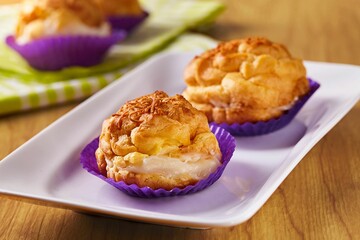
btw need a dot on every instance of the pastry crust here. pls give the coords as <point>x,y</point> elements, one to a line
<point>156,126</point>
<point>245,80</point>
<point>38,18</point>
<point>120,7</point>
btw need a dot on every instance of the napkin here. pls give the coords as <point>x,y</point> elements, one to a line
<point>23,88</point>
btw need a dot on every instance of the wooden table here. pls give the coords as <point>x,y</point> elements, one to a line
<point>320,199</point>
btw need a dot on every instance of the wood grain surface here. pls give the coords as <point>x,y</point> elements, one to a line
<point>320,199</point>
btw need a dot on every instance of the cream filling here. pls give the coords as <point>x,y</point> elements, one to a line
<point>45,28</point>
<point>197,166</point>
<point>288,106</point>
<point>220,104</point>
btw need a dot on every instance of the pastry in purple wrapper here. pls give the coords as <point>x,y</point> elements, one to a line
<point>54,34</point>
<point>123,14</point>
<point>264,127</point>
<point>158,145</point>
<point>247,81</point>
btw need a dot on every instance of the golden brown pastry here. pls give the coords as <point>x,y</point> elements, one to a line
<point>157,141</point>
<point>245,80</point>
<point>120,7</point>
<point>41,18</point>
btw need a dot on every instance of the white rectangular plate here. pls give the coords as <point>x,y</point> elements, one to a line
<point>47,168</point>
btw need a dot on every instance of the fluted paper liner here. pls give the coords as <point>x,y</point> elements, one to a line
<point>127,23</point>
<point>58,52</point>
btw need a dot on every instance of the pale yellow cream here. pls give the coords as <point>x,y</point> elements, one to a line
<point>58,25</point>
<point>198,166</point>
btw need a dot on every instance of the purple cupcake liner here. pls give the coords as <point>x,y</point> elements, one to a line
<point>58,52</point>
<point>227,147</point>
<point>126,23</point>
<point>264,127</point>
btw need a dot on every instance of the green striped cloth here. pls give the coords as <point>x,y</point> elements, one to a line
<point>23,88</point>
